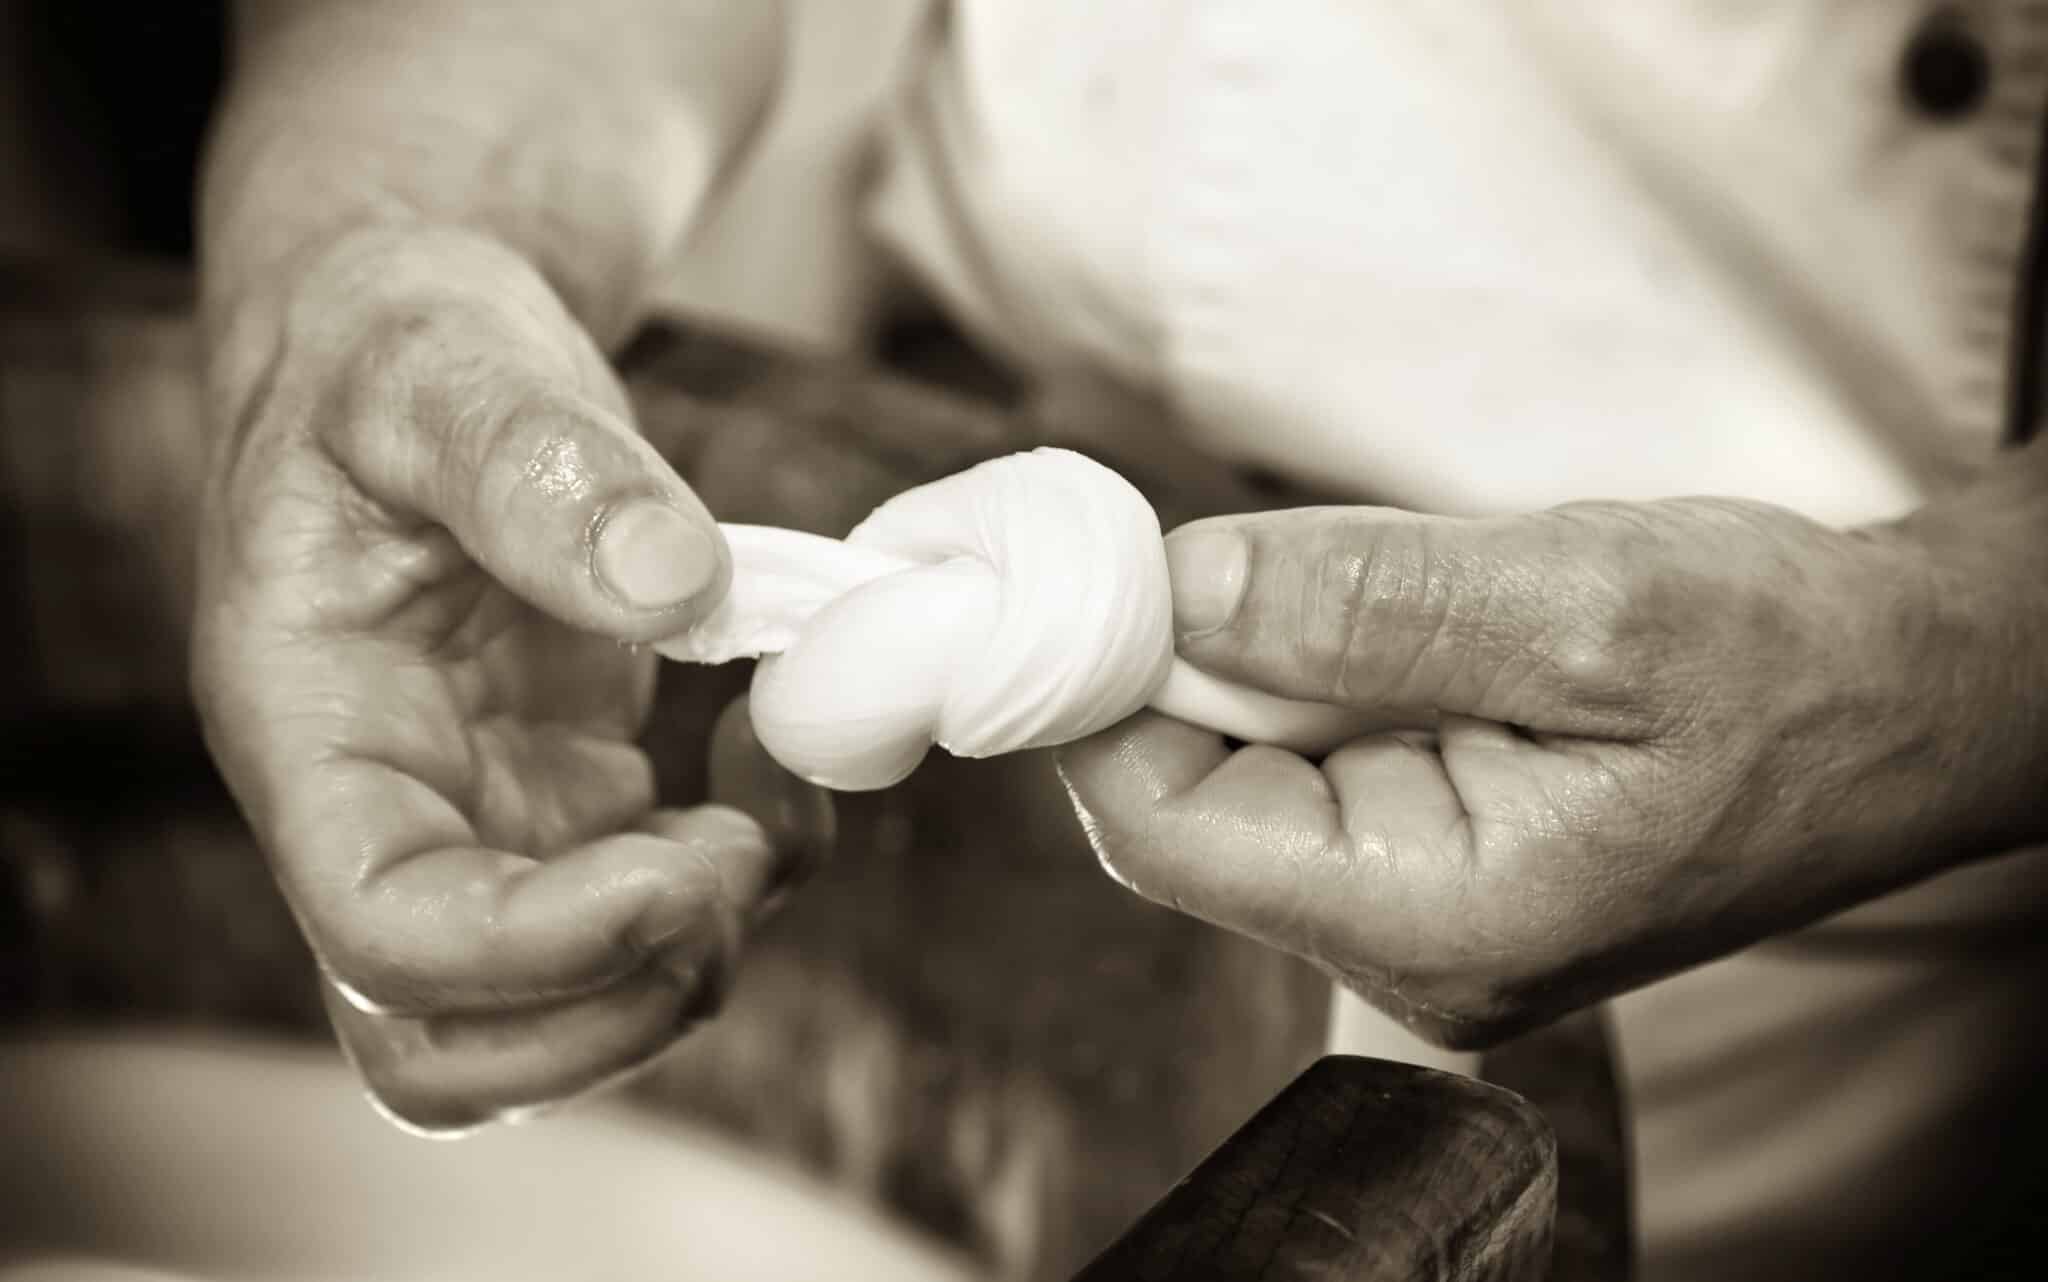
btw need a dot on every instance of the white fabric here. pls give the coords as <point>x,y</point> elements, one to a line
<point>781,250</point>
<point>1427,250</point>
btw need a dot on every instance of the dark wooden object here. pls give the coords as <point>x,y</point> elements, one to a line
<point>1360,1171</point>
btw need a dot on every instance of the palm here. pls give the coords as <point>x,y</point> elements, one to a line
<point>394,679</point>
<point>527,724</point>
<point>433,468</point>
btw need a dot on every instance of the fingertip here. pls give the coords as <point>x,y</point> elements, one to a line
<point>724,849</point>
<point>702,888</point>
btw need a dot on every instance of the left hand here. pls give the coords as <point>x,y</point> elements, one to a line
<point>432,541</point>
<point>1659,732</point>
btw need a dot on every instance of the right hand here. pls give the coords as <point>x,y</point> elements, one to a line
<point>432,547</point>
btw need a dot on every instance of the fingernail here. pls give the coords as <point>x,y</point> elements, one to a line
<point>1208,567</point>
<point>651,556</point>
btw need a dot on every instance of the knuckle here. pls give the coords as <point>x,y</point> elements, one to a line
<point>368,406</point>
<point>394,352</point>
<point>474,470</point>
<point>439,367</point>
<point>1615,605</point>
<point>1396,601</point>
<point>1592,650</point>
<point>1345,589</point>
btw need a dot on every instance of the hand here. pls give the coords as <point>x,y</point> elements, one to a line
<point>432,543</point>
<point>1645,736</point>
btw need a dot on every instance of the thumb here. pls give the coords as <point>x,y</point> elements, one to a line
<point>1519,620</point>
<point>482,427</point>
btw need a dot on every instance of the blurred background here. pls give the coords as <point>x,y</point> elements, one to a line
<point>100,127</point>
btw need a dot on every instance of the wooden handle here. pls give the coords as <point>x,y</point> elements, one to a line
<point>1362,1170</point>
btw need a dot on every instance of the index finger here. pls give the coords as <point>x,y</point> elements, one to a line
<point>1259,842</point>
<point>1251,841</point>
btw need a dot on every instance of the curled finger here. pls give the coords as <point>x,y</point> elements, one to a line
<point>412,918</point>
<point>446,1075</point>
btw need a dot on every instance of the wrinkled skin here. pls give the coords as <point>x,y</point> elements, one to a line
<point>1647,735</point>
<point>422,686</point>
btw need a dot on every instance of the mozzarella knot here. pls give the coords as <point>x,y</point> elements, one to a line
<point>1020,604</point>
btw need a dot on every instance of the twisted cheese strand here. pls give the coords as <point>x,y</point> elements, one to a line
<point>1022,603</point>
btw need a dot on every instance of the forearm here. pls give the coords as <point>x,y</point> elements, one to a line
<point>580,136</point>
<point>1980,648</point>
